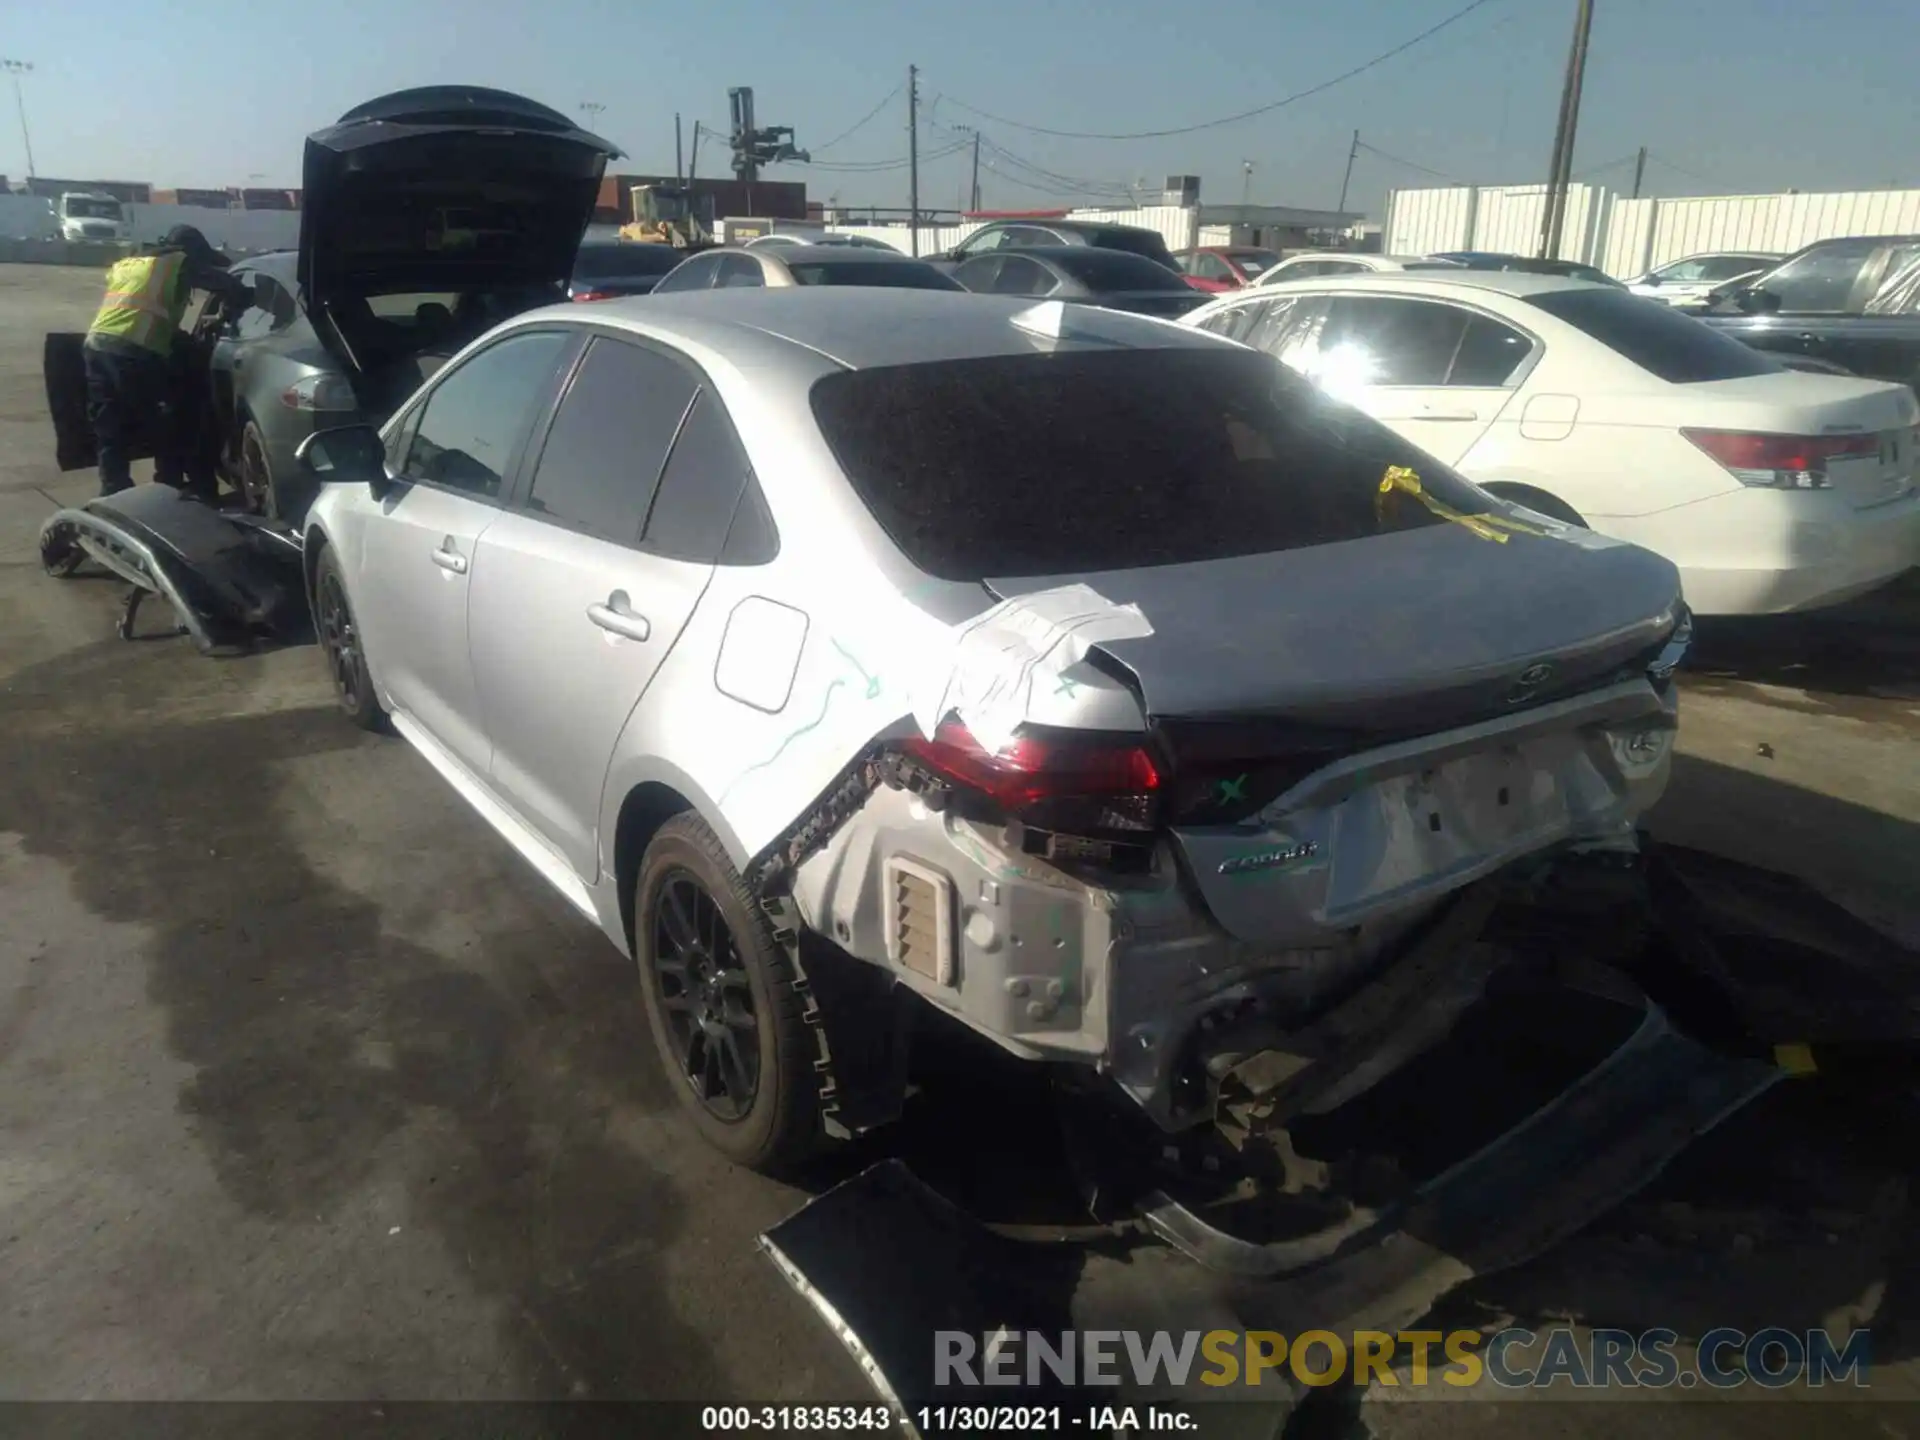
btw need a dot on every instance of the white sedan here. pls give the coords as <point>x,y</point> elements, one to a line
<point>1771,490</point>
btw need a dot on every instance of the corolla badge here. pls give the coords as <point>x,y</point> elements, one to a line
<point>1269,859</point>
<point>1528,681</point>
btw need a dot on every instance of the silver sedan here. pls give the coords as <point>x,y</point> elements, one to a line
<point>780,267</point>
<point>1079,676</point>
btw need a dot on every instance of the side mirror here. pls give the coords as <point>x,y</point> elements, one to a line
<point>1652,278</point>
<point>1755,301</point>
<point>349,454</point>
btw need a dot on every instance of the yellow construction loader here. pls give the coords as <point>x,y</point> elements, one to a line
<point>666,215</point>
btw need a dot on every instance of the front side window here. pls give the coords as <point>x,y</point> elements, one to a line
<point>984,242</point>
<point>474,418</point>
<point>1021,276</point>
<point>603,454</point>
<point>1083,461</point>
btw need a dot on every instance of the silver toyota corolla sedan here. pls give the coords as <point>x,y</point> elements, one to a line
<point>1083,677</point>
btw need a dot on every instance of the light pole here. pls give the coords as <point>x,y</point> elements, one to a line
<point>591,109</point>
<point>17,68</point>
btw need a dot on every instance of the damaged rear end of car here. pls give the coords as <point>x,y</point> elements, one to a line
<point>1230,808</point>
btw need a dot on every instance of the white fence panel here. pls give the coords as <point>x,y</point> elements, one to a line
<point>1507,220</point>
<point>1179,224</point>
<point>1626,238</point>
<point>1420,222</point>
<point>1779,223</point>
<point>27,217</point>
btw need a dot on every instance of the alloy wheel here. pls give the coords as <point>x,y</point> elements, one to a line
<point>340,641</point>
<point>706,997</point>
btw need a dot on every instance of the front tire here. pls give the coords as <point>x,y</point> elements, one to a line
<point>728,1020</point>
<point>339,635</point>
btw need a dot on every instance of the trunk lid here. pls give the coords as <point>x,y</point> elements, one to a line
<point>1386,636</point>
<point>1344,663</point>
<point>1796,402</point>
<point>444,188</point>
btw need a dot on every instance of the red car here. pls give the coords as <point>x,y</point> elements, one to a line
<point>1214,268</point>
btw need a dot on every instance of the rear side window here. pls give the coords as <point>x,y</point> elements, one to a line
<point>1665,343</point>
<point>602,459</point>
<point>1393,342</point>
<point>1136,242</point>
<point>1103,460</point>
<point>702,485</point>
<point>1118,270</point>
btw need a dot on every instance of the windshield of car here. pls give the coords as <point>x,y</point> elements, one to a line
<point>1657,338</point>
<point>855,272</point>
<point>1254,262</point>
<point>84,209</point>
<point>603,262</point>
<point>1052,464</point>
<point>406,306</point>
<point>1117,270</point>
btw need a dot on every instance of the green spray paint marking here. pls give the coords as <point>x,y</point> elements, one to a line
<point>1231,790</point>
<point>826,701</point>
<point>873,681</point>
<point>1066,687</point>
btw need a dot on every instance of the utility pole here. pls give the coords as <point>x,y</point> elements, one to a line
<point>1353,150</point>
<point>592,109</point>
<point>17,68</point>
<point>1564,134</point>
<point>679,155</point>
<point>975,189</point>
<point>913,157</point>
<point>1246,182</point>
<point>693,156</point>
<point>1639,169</point>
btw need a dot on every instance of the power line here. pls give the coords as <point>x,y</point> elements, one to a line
<point>1378,153</point>
<point>1681,169</point>
<point>864,167</point>
<point>1610,165</point>
<point>885,101</point>
<point>1380,59</point>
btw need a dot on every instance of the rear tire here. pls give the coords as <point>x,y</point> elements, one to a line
<point>729,1022</point>
<point>339,635</point>
<point>256,474</point>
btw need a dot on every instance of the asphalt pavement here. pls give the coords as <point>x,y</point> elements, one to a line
<point>310,1089</point>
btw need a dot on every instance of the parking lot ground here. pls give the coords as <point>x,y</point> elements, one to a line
<point>309,1089</point>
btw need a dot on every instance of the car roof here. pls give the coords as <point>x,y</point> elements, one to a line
<point>863,328</point>
<point>1076,227</point>
<point>1520,284</point>
<point>845,255</point>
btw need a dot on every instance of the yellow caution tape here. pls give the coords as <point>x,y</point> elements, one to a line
<point>1402,480</point>
<point>1795,1059</point>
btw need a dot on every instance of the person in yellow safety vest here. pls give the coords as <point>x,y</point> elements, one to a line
<point>132,384</point>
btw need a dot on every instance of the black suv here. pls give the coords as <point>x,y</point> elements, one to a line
<point>1048,234</point>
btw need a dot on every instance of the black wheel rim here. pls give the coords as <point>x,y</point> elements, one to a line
<point>254,478</point>
<point>705,997</point>
<point>340,641</point>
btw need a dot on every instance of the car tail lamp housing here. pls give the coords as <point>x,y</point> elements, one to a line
<point>1782,462</point>
<point>320,394</point>
<point>1077,782</point>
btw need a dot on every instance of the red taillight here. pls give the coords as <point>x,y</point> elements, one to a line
<point>580,295</point>
<point>1783,462</point>
<point>1061,781</point>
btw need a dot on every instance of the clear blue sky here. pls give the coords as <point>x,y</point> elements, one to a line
<point>1730,95</point>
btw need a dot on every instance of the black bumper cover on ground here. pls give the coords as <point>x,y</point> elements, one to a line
<point>230,578</point>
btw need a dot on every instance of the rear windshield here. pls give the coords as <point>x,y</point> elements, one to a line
<point>1118,270</point>
<point>1660,340</point>
<point>1114,459</point>
<point>1139,242</point>
<point>855,272</point>
<point>602,262</point>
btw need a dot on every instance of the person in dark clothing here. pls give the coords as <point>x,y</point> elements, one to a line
<point>135,387</point>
